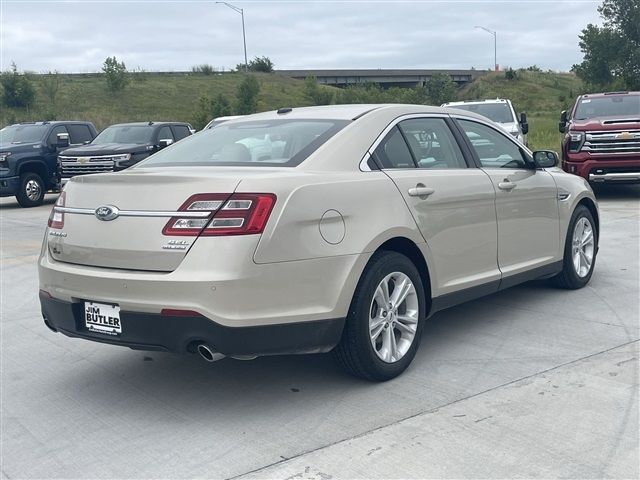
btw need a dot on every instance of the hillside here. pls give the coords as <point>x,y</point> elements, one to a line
<point>175,96</point>
<point>148,96</point>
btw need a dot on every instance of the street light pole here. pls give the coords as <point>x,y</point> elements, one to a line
<point>495,44</point>
<point>244,37</point>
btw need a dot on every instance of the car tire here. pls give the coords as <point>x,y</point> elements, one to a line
<point>31,193</point>
<point>580,250</point>
<point>398,326</point>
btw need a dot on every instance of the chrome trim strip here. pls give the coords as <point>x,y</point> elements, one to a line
<point>614,176</point>
<point>136,213</point>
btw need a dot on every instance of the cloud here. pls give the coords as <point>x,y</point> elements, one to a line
<point>174,35</point>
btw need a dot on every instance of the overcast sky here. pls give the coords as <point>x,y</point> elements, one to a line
<point>76,36</point>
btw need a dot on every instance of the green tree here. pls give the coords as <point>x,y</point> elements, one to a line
<point>441,89</point>
<point>116,74</point>
<point>261,64</point>
<point>612,52</point>
<point>202,113</point>
<point>17,89</point>
<point>247,95</point>
<point>317,94</point>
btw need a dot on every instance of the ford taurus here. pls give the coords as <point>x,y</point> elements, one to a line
<point>308,230</point>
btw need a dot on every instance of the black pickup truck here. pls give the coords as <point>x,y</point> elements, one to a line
<point>120,146</point>
<point>28,156</point>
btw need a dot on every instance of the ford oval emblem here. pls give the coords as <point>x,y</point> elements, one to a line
<point>107,212</point>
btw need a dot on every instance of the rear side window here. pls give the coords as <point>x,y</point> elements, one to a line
<point>393,151</point>
<point>79,134</point>
<point>181,131</point>
<point>283,143</point>
<point>432,143</point>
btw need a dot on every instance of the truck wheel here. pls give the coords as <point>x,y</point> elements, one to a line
<point>31,193</point>
<point>385,319</point>
<point>580,251</point>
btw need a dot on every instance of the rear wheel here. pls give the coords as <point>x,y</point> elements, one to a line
<point>31,193</point>
<point>384,323</point>
<point>579,251</point>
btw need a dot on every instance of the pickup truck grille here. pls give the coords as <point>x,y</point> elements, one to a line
<point>612,142</point>
<point>72,166</point>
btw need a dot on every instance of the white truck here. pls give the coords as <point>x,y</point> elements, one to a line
<point>500,111</point>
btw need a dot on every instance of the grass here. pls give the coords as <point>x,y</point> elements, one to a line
<point>175,96</point>
<point>148,96</point>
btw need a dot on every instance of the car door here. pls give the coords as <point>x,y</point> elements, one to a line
<point>452,204</point>
<point>526,199</point>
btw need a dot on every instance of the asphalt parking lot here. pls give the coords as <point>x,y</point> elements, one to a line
<point>529,382</point>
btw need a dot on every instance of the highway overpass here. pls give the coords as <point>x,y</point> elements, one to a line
<point>383,77</point>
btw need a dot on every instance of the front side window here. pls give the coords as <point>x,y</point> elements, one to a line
<point>494,149</point>
<point>53,136</point>
<point>165,133</point>
<point>393,151</point>
<point>17,134</point>
<point>139,134</point>
<point>432,143</point>
<point>283,143</point>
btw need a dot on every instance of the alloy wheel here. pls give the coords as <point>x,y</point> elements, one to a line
<point>583,247</point>
<point>393,317</point>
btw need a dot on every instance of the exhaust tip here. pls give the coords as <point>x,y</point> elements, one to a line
<point>208,354</point>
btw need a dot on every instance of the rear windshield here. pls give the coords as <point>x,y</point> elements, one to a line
<point>609,106</point>
<point>139,134</point>
<point>497,112</point>
<point>23,133</point>
<point>281,143</point>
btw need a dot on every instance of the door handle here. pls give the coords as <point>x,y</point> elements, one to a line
<point>508,186</point>
<point>420,191</point>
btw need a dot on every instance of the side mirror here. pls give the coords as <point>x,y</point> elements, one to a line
<point>524,125</point>
<point>562,125</point>
<point>62,140</point>
<point>545,158</point>
<point>165,142</point>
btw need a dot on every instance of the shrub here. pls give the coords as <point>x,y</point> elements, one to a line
<point>261,64</point>
<point>441,89</point>
<point>317,94</point>
<point>510,74</point>
<point>17,89</point>
<point>50,85</point>
<point>247,95</point>
<point>116,74</point>
<point>204,68</point>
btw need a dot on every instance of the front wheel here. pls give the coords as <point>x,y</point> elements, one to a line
<point>31,193</point>
<point>385,319</point>
<point>580,251</point>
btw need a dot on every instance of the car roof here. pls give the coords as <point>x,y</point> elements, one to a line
<point>51,122</point>
<point>467,102</point>
<point>150,124</point>
<point>351,112</point>
<point>608,94</point>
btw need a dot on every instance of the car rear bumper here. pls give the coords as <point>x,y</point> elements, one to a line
<point>180,334</point>
<point>597,171</point>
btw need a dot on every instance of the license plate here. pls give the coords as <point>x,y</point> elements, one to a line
<point>102,318</point>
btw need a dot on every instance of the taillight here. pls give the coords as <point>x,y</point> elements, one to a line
<point>236,214</point>
<point>56,218</point>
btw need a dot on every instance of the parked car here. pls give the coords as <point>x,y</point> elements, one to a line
<point>119,146</point>
<point>28,156</point>
<point>602,137</point>
<point>219,120</point>
<point>500,111</point>
<point>368,221</point>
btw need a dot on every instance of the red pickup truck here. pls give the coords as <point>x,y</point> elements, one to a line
<point>602,137</point>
